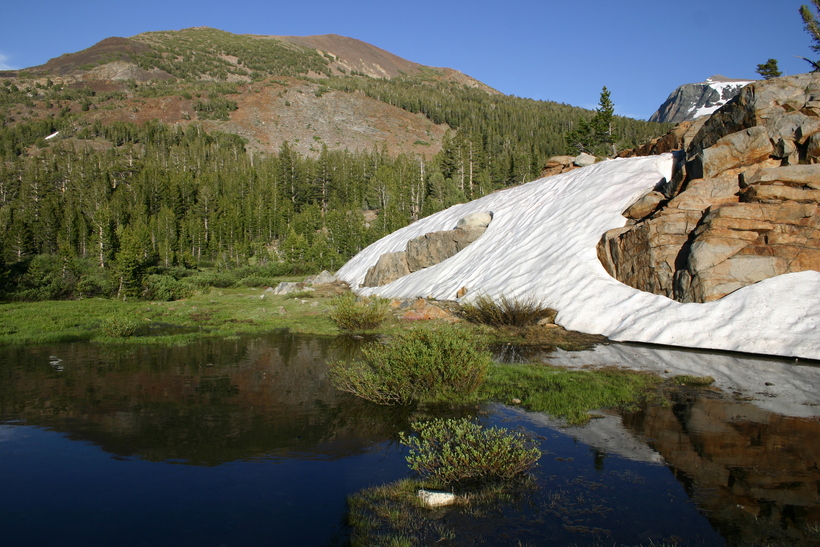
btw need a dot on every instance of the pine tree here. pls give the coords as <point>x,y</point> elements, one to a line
<point>812,26</point>
<point>769,70</point>
<point>596,136</point>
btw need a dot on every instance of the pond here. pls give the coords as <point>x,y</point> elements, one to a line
<point>245,442</point>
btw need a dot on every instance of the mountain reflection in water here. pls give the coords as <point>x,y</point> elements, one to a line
<point>245,442</point>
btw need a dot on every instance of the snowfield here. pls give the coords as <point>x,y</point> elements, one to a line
<point>542,243</point>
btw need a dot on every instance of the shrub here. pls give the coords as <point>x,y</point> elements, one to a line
<point>164,288</point>
<point>421,365</point>
<point>354,314</point>
<point>459,452</point>
<point>120,327</point>
<point>220,280</point>
<point>689,380</point>
<point>506,311</point>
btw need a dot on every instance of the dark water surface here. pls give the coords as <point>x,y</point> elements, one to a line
<point>244,442</point>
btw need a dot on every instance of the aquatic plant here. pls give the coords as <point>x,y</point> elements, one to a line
<point>459,452</point>
<point>426,364</point>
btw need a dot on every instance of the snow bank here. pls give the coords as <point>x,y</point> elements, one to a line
<point>542,243</point>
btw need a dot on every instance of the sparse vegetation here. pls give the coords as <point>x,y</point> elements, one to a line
<point>458,452</point>
<point>425,364</point>
<point>354,314</point>
<point>568,394</point>
<point>506,311</point>
<point>688,380</point>
<point>119,326</point>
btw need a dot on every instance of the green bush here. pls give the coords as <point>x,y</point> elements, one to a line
<point>164,288</point>
<point>506,311</point>
<point>358,314</point>
<point>120,327</point>
<point>459,452</point>
<point>422,365</point>
<point>220,280</point>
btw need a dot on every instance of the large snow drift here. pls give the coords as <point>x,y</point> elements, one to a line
<point>542,243</point>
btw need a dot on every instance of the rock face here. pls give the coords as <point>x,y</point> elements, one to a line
<point>690,101</point>
<point>742,206</point>
<point>427,250</point>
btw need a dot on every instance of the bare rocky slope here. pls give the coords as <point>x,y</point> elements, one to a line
<point>690,101</point>
<point>270,112</point>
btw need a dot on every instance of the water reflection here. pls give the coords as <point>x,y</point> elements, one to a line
<point>271,450</point>
<point>201,404</point>
<point>754,473</point>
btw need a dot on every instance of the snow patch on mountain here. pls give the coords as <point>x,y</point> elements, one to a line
<point>542,243</point>
<point>692,101</point>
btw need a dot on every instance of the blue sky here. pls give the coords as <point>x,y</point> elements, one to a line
<point>561,51</point>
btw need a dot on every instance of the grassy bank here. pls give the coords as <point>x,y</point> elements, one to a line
<point>217,313</point>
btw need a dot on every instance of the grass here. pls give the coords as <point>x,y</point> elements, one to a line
<point>429,364</point>
<point>393,515</point>
<point>217,313</point>
<point>569,394</point>
<point>506,311</point>
<point>355,314</point>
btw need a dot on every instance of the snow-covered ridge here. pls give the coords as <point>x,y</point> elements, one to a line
<point>725,90</point>
<point>691,101</point>
<point>542,243</point>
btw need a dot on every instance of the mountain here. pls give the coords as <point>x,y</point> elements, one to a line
<point>310,91</point>
<point>691,101</point>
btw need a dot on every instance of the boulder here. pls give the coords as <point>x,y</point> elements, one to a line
<point>645,206</point>
<point>387,269</point>
<point>583,160</point>
<point>481,220</point>
<point>427,250</point>
<point>321,278</point>
<point>743,148</point>
<point>557,165</point>
<point>430,249</point>
<point>286,287</point>
<point>807,176</point>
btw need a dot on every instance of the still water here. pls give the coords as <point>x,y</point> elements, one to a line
<point>244,442</point>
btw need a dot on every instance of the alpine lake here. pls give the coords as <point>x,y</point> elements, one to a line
<point>244,441</point>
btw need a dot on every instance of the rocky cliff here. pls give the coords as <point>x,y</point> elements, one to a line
<point>691,101</point>
<point>742,207</point>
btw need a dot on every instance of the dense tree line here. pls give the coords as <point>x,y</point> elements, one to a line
<point>162,197</point>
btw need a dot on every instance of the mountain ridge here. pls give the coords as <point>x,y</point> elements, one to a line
<point>690,101</point>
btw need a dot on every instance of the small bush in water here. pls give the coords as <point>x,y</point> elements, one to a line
<point>458,452</point>
<point>119,327</point>
<point>353,314</point>
<point>420,365</point>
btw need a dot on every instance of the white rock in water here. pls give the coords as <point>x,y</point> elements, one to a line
<point>436,499</point>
